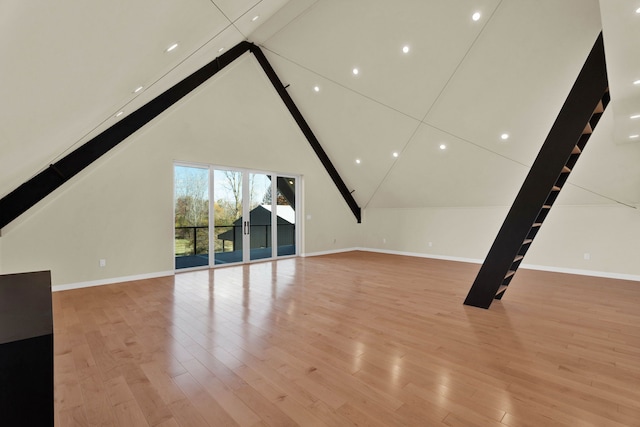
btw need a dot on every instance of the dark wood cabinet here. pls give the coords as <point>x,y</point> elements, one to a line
<point>26,349</point>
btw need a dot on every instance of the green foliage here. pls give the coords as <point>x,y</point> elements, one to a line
<point>191,212</point>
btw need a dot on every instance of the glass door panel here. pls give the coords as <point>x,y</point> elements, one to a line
<point>191,213</point>
<point>286,215</point>
<point>248,222</point>
<point>260,217</point>
<point>228,231</point>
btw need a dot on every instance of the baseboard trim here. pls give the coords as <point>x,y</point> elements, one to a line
<point>335,251</point>
<point>594,273</point>
<point>110,281</point>
<point>422,255</point>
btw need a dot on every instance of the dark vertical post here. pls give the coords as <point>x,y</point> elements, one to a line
<point>195,240</point>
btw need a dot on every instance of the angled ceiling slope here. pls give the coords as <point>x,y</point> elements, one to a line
<point>461,83</point>
<point>37,188</point>
<point>70,69</point>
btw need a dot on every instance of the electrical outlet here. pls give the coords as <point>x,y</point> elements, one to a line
<point>103,262</point>
<point>587,256</point>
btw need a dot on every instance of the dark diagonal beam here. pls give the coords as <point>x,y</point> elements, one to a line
<point>306,130</point>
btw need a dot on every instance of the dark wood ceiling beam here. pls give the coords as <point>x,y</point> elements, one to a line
<point>44,183</point>
<point>306,130</point>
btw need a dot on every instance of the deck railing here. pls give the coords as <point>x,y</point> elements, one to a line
<point>194,240</point>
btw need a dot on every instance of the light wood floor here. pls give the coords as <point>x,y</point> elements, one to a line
<point>354,339</point>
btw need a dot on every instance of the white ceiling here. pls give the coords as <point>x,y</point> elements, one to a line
<point>69,68</point>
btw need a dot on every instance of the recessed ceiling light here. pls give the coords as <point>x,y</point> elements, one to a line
<point>358,161</point>
<point>138,89</point>
<point>316,88</point>
<point>638,10</point>
<point>635,116</point>
<point>395,154</point>
<point>475,16</point>
<point>172,47</point>
<point>504,136</point>
<point>119,113</point>
<point>220,50</point>
<point>637,82</point>
<point>255,18</point>
<point>406,49</point>
<point>355,71</point>
<point>634,136</point>
<point>443,146</point>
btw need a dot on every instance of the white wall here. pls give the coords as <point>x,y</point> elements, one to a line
<point>121,208</point>
<point>460,233</point>
<point>609,233</point>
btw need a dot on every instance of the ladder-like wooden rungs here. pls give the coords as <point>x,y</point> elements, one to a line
<point>501,289</point>
<point>518,258</point>
<point>536,224</point>
<point>527,241</point>
<point>587,129</point>
<point>546,206</point>
<point>576,150</point>
<point>555,188</point>
<point>509,274</point>
<point>599,108</point>
<point>565,169</point>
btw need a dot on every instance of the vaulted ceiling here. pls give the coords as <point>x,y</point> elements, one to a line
<point>70,67</point>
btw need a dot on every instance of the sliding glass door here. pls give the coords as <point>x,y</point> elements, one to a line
<point>286,215</point>
<point>228,216</point>
<point>249,222</point>
<point>260,216</point>
<point>191,213</point>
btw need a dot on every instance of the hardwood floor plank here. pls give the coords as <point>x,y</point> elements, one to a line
<point>268,411</point>
<point>68,393</point>
<point>118,391</point>
<point>186,414</point>
<point>98,408</point>
<point>163,382</point>
<point>347,339</point>
<point>358,417</point>
<point>146,395</point>
<point>223,395</point>
<point>210,410</point>
<point>129,414</point>
<point>73,416</point>
<point>459,407</point>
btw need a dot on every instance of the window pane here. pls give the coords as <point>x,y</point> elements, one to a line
<point>260,216</point>
<point>191,195</point>
<point>227,216</point>
<point>286,212</point>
